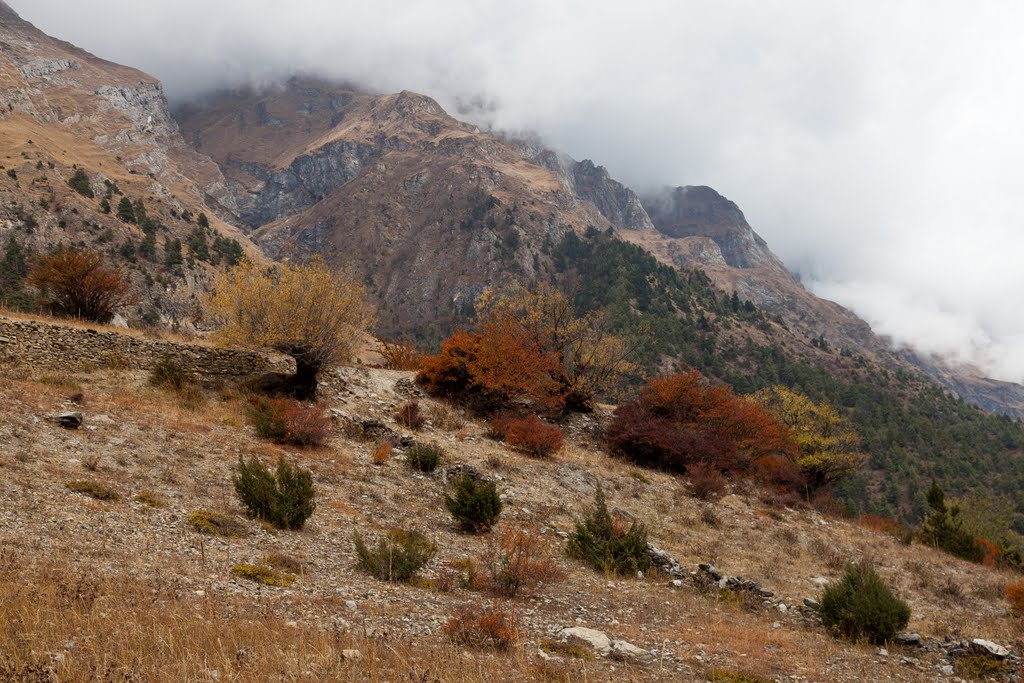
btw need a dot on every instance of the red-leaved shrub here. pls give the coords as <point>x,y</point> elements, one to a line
<point>287,421</point>
<point>706,482</point>
<point>1015,596</point>
<point>683,419</point>
<point>533,436</point>
<point>491,627</point>
<point>517,560</point>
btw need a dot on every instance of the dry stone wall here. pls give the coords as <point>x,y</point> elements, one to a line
<point>43,345</point>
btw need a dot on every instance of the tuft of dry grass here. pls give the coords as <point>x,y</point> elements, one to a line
<point>216,524</point>
<point>94,489</point>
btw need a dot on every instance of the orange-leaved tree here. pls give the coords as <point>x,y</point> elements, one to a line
<point>683,419</point>
<point>310,311</point>
<point>75,282</point>
<point>529,344</point>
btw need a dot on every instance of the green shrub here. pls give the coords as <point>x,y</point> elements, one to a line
<point>424,457</point>
<point>475,505</point>
<point>284,498</point>
<point>169,374</point>
<point>79,182</point>
<point>943,528</point>
<point>861,606</point>
<point>607,545</point>
<point>396,558</point>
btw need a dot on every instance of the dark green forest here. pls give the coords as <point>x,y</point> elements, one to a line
<point>912,430</point>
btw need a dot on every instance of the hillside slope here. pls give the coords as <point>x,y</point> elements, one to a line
<point>129,588</point>
<point>66,111</point>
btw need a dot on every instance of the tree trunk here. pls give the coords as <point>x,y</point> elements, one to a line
<point>300,386</point>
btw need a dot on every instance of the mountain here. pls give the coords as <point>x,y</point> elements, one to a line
<point>65,111</point>
<point>432,211</point>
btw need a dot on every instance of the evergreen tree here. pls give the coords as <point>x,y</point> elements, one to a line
<point>172,253</point>
<point>125,211</point>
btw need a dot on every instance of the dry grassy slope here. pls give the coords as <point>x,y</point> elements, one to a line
<point>131,588</point>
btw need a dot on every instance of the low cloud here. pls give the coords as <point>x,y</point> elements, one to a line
<point>875,145</point>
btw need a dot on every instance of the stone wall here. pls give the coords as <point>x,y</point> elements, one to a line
<point>43,345</point>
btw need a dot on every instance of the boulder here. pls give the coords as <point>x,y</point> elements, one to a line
<point>597,641</point>
<point>628,652</point>
<point>987,648</point>
<point>908,639</point>
<point>67,420</point>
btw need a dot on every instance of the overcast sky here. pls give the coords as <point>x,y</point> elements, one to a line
<point>875,145</point>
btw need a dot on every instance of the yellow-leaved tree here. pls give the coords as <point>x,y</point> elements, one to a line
<point>828,447</point>
<point>310,311</point>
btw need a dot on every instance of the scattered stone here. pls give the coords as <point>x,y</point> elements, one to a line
<point>665,562</point>
<point>812,603</point>
<point>457,471</point>
<point>628,652</point>
<point>987,648</point>
<point>67,420</point>
<point>101,419</point>
<point>946,669</point>
<point>351,655</point>
<point>908,639</point>
<point>595,640</point>
<point>351,604</point>
<point>710,570</point>
<point>882,652</point>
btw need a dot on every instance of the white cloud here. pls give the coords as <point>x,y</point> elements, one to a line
<point>875,145</point>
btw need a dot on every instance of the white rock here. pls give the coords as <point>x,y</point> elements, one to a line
<point>597,640</point>
<point>626,650</point>
<point>987,647</point>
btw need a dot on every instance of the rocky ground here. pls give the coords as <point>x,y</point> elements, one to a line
<point>78,575</point>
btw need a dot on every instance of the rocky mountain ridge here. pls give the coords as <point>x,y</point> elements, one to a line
<point>64,112</point>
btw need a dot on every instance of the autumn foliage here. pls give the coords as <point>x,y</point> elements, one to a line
<point>828,448</point>
<point>684,420</point>
<point>492,627</point>
<point>533,436</point>
<point>528,345</point>
<point>76,283</point>
<point>309,311</point>
<point>1015,596</point>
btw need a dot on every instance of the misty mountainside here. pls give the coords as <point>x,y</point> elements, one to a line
<point>69,118</point>
<point>431,211</point>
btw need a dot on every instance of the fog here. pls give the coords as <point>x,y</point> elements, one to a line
<point>876,146</point>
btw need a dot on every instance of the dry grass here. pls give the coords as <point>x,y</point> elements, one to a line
<point>66,624</point>
<point>106,558</point>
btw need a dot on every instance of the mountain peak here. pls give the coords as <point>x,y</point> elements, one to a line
<point>8,15</point>
<point>700,211</point>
